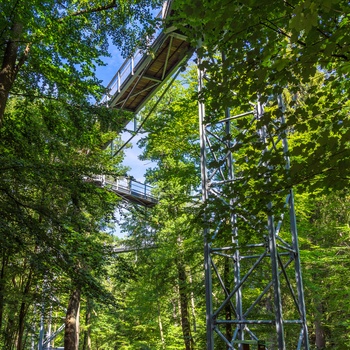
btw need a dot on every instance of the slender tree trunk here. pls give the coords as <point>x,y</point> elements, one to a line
<point>161,327</point>
<point>185,317</point>
<point>8,68</point>
<point>193,307</point>
<point>23,312</point>
<point>71,332</point>
<point>320,335</point>
<point>4,263</point>
<point>87,332</point>
<point>10,334</point>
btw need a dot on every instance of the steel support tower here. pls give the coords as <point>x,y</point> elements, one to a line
<point>254,289</point>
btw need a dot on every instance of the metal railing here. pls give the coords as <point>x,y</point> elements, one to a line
<point>131,187</point>
<point>128,67</point>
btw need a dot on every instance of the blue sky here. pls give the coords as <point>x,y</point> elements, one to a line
<point>137,167</point>
<point>106,73</point>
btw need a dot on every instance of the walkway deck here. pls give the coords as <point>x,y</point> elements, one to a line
<point>133,191</point>
<point>142,75</point>
<point>130,190</point>
<point>138,80</point>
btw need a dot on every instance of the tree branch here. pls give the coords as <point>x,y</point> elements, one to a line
<point>22,59</point>
<point>113,4</point>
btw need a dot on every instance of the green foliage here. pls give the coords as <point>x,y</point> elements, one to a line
<point>53,142</point>
<point>324,236</point>
<point>271,46</point>
<point>168,292</point>
<point>53,146</point>
<point>67,39</point>
<point>51,214</point>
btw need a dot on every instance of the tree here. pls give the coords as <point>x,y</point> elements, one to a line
<point>54,139</point>
<point>170,141</point>
<point>52,210</point>
<point>324,234</point>
<point>51,48</point>
<point>307,131</point>
<point>271,46</point>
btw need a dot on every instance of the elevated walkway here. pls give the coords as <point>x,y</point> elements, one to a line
<point>142,75</point>
<point>137,81</point>
<point>130,190</point>
<point>133,191</point>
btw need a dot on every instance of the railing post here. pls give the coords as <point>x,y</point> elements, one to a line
<point>118,82</point>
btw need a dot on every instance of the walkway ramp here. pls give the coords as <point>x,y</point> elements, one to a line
<point>143,74</point>
<point>138,80</point>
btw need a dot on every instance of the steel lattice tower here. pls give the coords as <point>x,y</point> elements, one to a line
<point>254,289</point>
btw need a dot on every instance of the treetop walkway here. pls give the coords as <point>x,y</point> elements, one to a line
<point>137,81</point>
<point>142,74</point>
<point>129,189</point>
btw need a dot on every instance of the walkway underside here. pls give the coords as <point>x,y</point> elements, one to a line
<point>168,52</point>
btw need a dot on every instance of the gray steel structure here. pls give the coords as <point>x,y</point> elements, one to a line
<point>249,285</point>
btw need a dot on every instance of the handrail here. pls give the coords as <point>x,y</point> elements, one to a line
<point>53,335</point>
<point>129,65</point>
<point>126,186</point>
<point>132,187</point>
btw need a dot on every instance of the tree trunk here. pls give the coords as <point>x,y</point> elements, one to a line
<point>9,67</point>
<point>23,312</point>
<point>193,307</point>
<point>10,334</point>
<point>161,327</point>
<point>185,319</point>
<point>320,335</point>
<point>71,331</point>
<point>2,286</point>
<point>87,332</point>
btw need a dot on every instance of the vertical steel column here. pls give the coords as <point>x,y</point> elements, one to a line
<point>270,252</point>
<point>34,330</point>
<point>49,329</point>
<point>304,334</point>
<point>233,220</point>
<point>207,258</point>
<point>276,283</point>
<point>42,329</point>
<point>273,254</point>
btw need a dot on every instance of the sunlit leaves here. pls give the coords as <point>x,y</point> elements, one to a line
<point>65,42</point>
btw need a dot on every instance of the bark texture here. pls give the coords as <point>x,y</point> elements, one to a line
<point>23,312</point>
<point>10,66</point>
<point>2,286</point>
<point>71,333</point>
<point>87,332</point>
<point>185,317</point>
<point>320,334</point>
